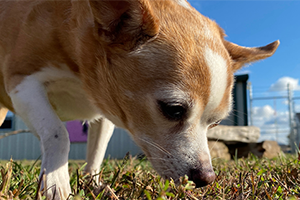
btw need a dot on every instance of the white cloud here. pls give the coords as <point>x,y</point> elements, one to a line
<point>264,113</point>
<point>285,102</point>
<point>271,122</point>
<point>266,117</point>
<point>281,119</point>
<point>281,84</point>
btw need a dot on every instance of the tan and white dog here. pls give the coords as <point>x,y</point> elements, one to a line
<point>159,69</point>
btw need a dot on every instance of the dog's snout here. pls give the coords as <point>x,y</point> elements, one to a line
<point>202,177</point>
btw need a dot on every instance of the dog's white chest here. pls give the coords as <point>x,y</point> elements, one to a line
<point>66,94</point>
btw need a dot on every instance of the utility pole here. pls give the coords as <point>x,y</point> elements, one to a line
<point>251,102</point>
<point>275,115</point>
<point>292,137</point>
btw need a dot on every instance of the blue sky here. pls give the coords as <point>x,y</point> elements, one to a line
<point>257,23</point>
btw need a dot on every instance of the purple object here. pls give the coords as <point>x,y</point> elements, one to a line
<point>77,131</point>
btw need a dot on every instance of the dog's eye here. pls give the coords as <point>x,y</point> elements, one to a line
<point>173,111</point>
<point>214,124</point>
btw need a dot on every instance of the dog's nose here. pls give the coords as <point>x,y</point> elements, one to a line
<point>202,177</point>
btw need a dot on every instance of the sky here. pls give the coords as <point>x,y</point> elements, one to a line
<point>257,23</point>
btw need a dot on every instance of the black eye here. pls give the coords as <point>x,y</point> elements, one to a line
<point>173,111</point>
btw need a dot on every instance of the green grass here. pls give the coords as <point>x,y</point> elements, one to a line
<point>250,178</point>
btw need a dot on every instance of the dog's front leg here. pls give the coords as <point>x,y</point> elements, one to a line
<point>99,134</point>
<point>32,105</point>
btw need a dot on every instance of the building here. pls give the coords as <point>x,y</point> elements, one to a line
<point>26,145</point>
<point>239,114</point>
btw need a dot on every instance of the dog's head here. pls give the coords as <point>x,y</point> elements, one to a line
<point>162,71</point>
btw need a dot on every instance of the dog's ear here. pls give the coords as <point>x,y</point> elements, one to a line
<point>242,55</point>
<point>81,14</point>
<point>124,23</point>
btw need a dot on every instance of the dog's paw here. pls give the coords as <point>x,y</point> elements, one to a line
<point>55,185</point>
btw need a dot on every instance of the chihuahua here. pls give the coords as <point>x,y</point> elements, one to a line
<point>158,69</point>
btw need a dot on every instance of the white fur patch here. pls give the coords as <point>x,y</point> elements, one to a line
<point>99,135</point>
<point>218,74</point>
<point>30,102</point>
<point>183,3</point>
<point>66,94</point>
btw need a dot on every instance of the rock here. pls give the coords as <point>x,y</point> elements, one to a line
<point>245,134</point>
<point>268,149</point>
<point>272,149</point>
<point>218,150</point>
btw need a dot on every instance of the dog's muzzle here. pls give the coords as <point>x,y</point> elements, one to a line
<point>202,177</point>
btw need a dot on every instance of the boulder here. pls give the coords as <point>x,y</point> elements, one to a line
<point>267,149</point>
<point>218,150</point>
<point>247,134</point>
<point>272,149</point>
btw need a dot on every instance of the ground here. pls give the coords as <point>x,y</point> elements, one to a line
<point>132,178</point>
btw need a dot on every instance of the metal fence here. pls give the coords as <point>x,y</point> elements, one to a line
<point>281,125</point>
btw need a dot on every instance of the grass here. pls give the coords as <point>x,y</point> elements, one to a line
<point>132,178</point>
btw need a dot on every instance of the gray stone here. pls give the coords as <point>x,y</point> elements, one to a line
<point>245,134</point>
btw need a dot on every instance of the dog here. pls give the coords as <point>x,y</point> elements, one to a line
<point>158,69</point>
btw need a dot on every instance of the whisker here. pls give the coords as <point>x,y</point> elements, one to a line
<point>154,158</point>
<point>214,145</point>
<point>216,158</point>
<point>229,120</point>
<point>238,116</point>
<point>238,111</point>
<point>156,146</point>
